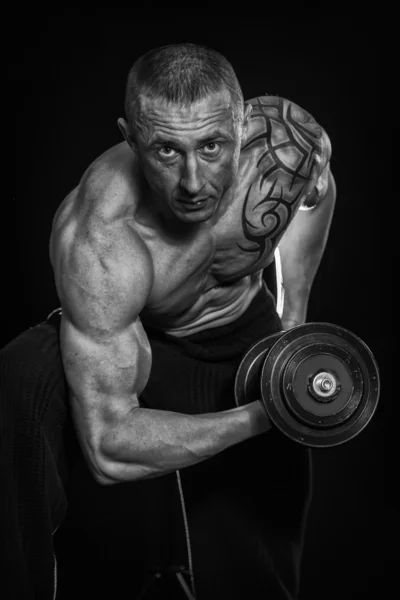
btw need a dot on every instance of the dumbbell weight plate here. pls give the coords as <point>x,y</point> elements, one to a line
<point>289,368</point>
<point>248,375</point>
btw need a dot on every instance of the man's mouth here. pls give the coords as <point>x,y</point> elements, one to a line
<point>194,204</point>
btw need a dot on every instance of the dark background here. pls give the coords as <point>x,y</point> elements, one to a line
<point>68,73</point>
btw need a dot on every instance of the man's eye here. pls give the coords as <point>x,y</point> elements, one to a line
<point>211,148</point>
<point>166,152</point>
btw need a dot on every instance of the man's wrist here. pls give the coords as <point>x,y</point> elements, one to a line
<point>292,317</point>
<point>289,323</point>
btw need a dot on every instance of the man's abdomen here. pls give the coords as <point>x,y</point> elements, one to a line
<point>219,306</point>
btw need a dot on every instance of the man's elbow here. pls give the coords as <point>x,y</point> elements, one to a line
<point>103,471</point>
<point>111,473</point>
<point>103,479</point>
<point>110,467</point>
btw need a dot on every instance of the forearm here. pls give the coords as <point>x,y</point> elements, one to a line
<point>150,443</point>
<point>301,251</point>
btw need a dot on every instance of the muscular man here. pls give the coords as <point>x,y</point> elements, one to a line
<point>158,256</point>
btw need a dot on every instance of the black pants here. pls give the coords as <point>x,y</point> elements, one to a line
<point>245,508</point>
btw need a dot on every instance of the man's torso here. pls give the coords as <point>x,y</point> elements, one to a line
<point>207,278</point>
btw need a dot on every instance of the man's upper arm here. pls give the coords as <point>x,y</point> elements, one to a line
<point>103,281</point>
<point>291,151</point>
<point>295,157</point>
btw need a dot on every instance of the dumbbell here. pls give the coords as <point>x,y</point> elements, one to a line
<point>319,383</point>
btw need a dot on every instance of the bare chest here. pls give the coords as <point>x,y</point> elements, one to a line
<point>240,244</point>
<point>278,169</point>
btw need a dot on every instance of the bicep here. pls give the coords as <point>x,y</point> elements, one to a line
<point>103,286</point>
<point>104,380</point>
<point>112,371</point>
<point>103,283</point>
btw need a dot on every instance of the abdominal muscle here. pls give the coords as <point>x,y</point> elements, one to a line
<point>218,306</point>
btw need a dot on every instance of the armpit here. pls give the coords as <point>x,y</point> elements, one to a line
<point>322,167</point>
<point>318,192</point>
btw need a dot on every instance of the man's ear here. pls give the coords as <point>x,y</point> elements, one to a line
<point>248,109</point>
<point>126,132</point>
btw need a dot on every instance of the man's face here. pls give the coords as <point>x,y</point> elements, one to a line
<point>189,155</point>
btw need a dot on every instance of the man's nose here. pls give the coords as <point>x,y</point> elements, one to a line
<point>192,180</point>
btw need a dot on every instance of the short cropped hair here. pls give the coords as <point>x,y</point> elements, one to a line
<point>182,74</point>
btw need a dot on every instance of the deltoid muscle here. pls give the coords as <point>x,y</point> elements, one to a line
<point>291,141</point>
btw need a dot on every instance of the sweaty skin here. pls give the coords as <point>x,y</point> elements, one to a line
<point>130,249</point>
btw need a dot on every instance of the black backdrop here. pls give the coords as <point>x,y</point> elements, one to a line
<point>68,72</point>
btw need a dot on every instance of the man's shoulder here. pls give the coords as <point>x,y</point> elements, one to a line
<point>110,182</point>
<point>108,187</point>
<point>290,152</point>
<point>105,196</point>
<point>271,111</point>
<point>288,134</point>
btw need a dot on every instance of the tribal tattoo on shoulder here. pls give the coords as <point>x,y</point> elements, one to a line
<point>288,141</point>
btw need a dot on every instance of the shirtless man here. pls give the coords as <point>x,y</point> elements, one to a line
<point>170,231</point>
